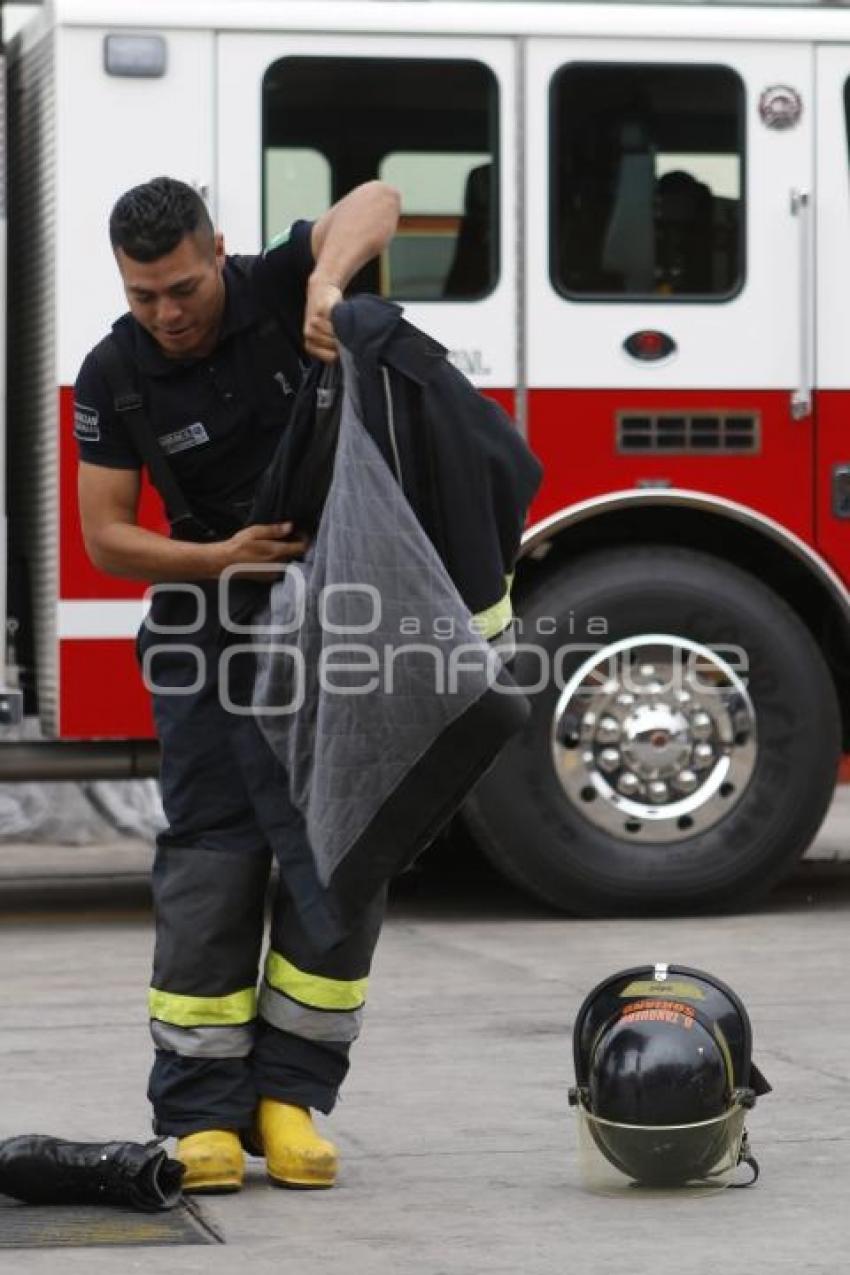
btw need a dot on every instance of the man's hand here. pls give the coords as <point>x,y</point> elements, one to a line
<point>261,545</point>
<point>355,230</point>
<point>319,339</point>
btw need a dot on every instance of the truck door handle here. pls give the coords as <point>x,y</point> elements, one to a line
<point>801,398</point>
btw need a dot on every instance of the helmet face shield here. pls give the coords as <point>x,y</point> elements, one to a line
<point>617,1158</point>
<point>664,1080</point>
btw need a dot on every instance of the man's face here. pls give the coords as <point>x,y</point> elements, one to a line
<point>179,298</point>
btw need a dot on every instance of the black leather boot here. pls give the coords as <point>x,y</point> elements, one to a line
<point>39,1169</point>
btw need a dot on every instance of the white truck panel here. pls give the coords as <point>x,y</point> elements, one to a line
<point>832,220</point>
<point>466,17</point>
<point>144,127</point>
<point>751,340</point>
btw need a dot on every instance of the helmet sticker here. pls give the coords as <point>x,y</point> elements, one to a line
<point>646,987</point>
<point>659,1010</point>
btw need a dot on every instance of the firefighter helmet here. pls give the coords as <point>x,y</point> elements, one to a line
<point>664,1076</point>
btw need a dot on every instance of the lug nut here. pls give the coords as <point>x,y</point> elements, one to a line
<point>703,756</point>
<point>588,726</point>
<point>628,784</point>
<point>686,781</point>
<point>609,759</point>
<point>701,725</point>
<point>608,731</point>
<point>658,791</point>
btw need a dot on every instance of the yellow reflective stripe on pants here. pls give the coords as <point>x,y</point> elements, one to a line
<point>495,619</point>
<point>203,1011</point>
<point>313,990</point>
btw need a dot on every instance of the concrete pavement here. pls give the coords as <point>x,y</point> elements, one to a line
<point>456,1139</point>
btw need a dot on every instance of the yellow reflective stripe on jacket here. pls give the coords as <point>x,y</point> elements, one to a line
<point>496,618</point>
<point>203,1011</point>
<point>313,989</point>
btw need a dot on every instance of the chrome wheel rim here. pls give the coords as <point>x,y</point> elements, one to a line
<point>654,738</point>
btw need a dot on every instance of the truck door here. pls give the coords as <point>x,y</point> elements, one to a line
<point>301,120</point>
<point>668,328</point>
<point>832,215</point>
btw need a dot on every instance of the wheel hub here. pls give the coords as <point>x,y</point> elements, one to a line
<point>654,738</point>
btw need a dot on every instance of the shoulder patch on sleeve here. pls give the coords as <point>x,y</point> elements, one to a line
<point>86,423</point>
<point>279,240</point>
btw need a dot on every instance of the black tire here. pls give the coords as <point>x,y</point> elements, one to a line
<point>521,815</point>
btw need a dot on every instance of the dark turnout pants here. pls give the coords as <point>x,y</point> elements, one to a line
<point>220,1041</point>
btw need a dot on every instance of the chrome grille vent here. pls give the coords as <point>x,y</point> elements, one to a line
<point>689,433</point>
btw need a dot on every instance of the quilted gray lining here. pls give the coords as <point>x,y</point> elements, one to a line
<point>345,754</point>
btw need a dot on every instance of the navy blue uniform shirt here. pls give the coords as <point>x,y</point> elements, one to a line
<point>217,418</point>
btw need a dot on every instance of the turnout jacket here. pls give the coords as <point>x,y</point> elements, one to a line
<point>377,687</point>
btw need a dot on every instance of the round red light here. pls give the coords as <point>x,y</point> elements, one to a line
<point>649,345</point>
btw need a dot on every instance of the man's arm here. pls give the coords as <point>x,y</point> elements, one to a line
<point>349,234</point>
<point>109,502</point>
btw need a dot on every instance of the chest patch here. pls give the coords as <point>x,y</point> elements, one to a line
<point>182,439</point>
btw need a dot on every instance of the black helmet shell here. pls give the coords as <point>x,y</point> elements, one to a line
<point>681,990</point>
<point>655,1066</point>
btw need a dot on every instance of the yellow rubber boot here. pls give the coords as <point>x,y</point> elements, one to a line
<point>295,1153</point>
<point>214,1160</point>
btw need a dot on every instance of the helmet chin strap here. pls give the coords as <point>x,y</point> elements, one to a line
<point>745,1156</point>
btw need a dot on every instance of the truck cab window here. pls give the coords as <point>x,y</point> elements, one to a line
<point>647,181</point>
<point>297,183</point>
<point>429,127</point>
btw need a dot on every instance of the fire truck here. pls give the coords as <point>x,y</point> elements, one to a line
<point>630,225</point>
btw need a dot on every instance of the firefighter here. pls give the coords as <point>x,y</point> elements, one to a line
<point>209,357</point>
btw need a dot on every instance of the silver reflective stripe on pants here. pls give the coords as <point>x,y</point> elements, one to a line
<point>204,1042</point>
<point>313,1024</point>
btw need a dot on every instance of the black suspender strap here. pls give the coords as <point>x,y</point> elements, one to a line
<point>128,403</point>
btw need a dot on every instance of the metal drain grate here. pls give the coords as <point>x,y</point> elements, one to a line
<point>689,433</point>
<point>96,1226</point>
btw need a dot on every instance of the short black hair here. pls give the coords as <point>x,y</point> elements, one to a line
<point>149,221</point>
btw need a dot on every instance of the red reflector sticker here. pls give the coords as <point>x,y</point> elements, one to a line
<point>649,346</point>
